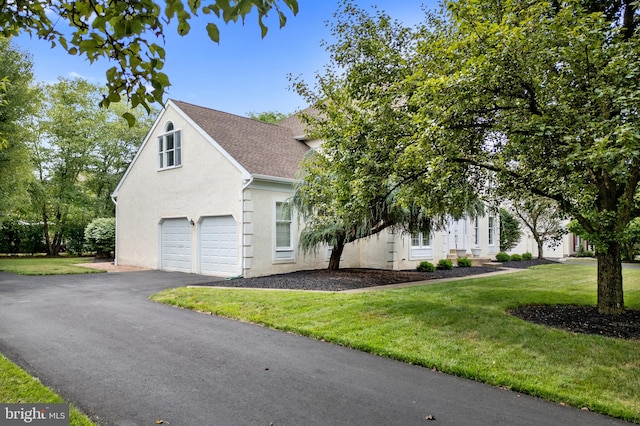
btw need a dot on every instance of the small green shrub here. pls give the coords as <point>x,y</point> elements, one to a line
<point>464,262</point>
<point>445,264</point>
<point>527,256</point>
<point>582,252</point>
<point>516,257</point>
<point>425,266</point>
<point>503,257</point>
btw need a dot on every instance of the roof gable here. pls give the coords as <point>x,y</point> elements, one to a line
<point>260,148</point>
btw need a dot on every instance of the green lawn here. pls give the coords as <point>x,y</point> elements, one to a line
<point>461,328</point>
<point>16,386</point>
<point>45,265</point>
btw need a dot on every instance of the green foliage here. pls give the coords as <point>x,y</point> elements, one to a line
<point>365,179</point>
<point>527,256</point>
<point>509,230</point>
<point>464,262</point>
<point>79,152</point>
<point>543,219</point>
<point>544,95</point>
<point>516,257</point>
<point>100,236</point>
<point>425,266</point>
<point>271,117</point>
<point>129,34</point>
<point>445,264</point>
<point>17,102</point>
<point>17,236</point>
<point>503,257</point>
<point>582,252</point>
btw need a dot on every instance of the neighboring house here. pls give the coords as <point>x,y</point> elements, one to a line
<point>206,191</point>
<point>571,245</point>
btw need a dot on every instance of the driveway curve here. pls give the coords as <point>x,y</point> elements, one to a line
<point>124,360</point>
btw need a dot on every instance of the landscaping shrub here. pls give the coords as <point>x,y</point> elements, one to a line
<point>425,266</point>
<point>503,257</point>
<point>464,262</point>
<point>583,253</point>
<point>516,257</point>
<point>527,256</point>
<point>17,236</point>
<point>100,236</point>
<point>445,264</point>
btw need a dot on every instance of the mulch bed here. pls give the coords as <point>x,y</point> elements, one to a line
<point>347,279</point>
<point>582,319</point>
<point>577,319</point>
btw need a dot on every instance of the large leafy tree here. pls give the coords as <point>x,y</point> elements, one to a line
<point>79,151</point>
<point>545,95</point>
<point>363,178</point>
<point>16,102</point>
<point>130,34</point>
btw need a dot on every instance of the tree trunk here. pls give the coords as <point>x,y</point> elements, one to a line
<point>539,242</point>
<point>336,253</point>
<point>610,292</point>
<point>540,248</point>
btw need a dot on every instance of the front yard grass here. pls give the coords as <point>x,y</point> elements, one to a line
<point>462,328</point>
<point>45,265</point>
<point>16,386</point>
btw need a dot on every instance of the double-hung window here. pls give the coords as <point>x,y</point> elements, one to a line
<point>284,232</point>
<point>421,246</point>
<point>169,148</point>
<point>492,231</point>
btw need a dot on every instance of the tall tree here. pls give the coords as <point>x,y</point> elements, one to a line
<point>545,95</point>
<point>79,150</point>
<point>115,147</point>
<point>543,219</point>
<point>363,180</point>
<point>130,34</point>
<point>17,101</point>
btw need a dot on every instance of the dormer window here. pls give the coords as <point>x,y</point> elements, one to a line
<point>169,148</point>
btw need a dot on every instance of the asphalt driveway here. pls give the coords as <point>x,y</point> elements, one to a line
<point>99,342</point>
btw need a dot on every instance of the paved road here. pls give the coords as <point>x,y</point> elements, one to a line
<point>125,360</point>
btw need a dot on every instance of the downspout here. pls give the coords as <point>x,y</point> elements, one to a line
<point>115,248</point>
<point>242,200</point>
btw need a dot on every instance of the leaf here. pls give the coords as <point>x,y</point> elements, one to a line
<point>214,32</point>
<point>131,120</point>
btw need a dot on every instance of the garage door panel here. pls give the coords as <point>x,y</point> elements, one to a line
<point>175,245</point>
<point>218,246</point>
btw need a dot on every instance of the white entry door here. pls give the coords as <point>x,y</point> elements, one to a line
<point>218,246</point>
<point>458,234</point>
<point>175,245</point>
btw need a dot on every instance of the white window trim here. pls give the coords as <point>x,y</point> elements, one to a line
<point>177,148</point>
<point>491,234</point>
<point>283,254</point>
<point>422,250</point>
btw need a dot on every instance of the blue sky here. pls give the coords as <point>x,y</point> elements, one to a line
<point>242,74</point>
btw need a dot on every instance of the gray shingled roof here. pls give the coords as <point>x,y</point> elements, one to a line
<point>261,148</point>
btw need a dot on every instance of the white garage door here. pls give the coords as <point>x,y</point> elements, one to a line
<point>175,247</point>
<point>218,246</point>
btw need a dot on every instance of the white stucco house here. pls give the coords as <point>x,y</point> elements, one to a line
<point>204,194</point>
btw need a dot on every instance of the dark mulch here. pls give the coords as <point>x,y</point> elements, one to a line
<point>347,279</point>
<point>525,264</point>
<point>583,319</point>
